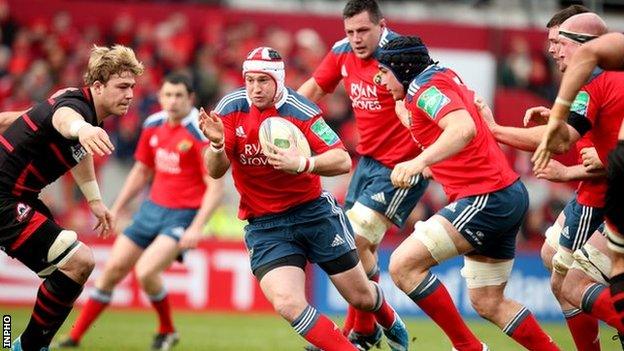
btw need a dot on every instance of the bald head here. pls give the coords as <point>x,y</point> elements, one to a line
<point>587,23</point>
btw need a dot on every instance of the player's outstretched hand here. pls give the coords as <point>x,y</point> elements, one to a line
<point>590,158</point>
<point>104,216</point>
<point>190,238</point>
<point>538,115</point>
<point>554,171</point>
<point>212,126</point>
<point>555,139</point>
<point>287,160</point>
<point>485,111</point>
<point>95,140</point>
<point>405,173</point>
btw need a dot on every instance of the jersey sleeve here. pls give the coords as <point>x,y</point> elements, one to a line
<point>436,100</point>
<point>327,75</point>
<point>320,136</point>
<point>229,135</point>
<point>144,152</point>
<point>80,106</point>
<point>199,147</point>
<point>585,108</point>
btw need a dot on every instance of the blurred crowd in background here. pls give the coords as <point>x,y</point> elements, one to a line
<point>43,55</point>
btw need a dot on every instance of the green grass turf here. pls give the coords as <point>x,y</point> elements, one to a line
<point>132,330</point>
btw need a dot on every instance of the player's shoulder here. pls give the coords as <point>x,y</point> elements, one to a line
<point>342,46</point>
<point>191,123</point>
<point>235,101</point>
<point>431,76</point>
<point>298,106</point>
<point>386,36</point>
<point>155,120</point>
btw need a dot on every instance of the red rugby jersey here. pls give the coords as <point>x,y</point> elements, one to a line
<point>263,189</point>
<point>382,136</point>
<point>599,107</point>
<point>479,168</point>
<point>174,152</point>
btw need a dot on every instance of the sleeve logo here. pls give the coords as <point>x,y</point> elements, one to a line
<point>580,103</point>
<point>432,101</point>
<point>324,132</point>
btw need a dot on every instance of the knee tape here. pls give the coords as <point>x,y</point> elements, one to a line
<point>480,274</point>
<point>615,241</point>
<point>367,222</point>
<point>593,263</point>
<point>562,261</point>
<point>552,235</point>
<point>63,248</point>
<point>435,238</point>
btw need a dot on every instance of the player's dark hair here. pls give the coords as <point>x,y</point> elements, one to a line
<point>177,78</point>
<point>406,57</point>
<point>566,13</point>
<point>355,7</point>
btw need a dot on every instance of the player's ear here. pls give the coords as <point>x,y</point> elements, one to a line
<point>383,23</point>
<point>98,86</point>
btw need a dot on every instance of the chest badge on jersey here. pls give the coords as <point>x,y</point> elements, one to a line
<point>343,71</point>
<point>184,145</point>
<point>153,142</point>
<point>22,211</point>
<point>377,78</point>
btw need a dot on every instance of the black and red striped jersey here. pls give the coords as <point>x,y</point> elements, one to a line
<point>33,153</point>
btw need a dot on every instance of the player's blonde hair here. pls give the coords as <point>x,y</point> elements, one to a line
<point>105,62</point>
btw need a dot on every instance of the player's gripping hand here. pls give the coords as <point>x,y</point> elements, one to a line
<point>405,173</point>
<point>555,139</point>
<point>95,140</point>
<point>104,216</point>
<point>538,115</point>
<point>554,172</point>
<point>287,160</point>
<point>590,158</point>
<point>190,238</point>
<point>485,111</point>
<point>212,126</point>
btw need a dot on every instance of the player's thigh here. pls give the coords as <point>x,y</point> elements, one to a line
<point>374,204</point>
<point>29,234</point>
<point>594,259</point>
<point>579,224</point>
<point>158,256</point>
<point>323,231</point>
<point>271,244</point>
<point>284,287</point>
<point>490,222</point>
<point>123,256</point>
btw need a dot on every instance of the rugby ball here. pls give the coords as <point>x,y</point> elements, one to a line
<point>281,133</point>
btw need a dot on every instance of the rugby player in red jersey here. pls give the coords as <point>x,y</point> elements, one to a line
<point>488,202</point>
<point>291,219</point>
<point>373,204</point>
<point>606,52</point>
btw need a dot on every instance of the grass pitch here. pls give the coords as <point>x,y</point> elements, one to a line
<point>123,330</point>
